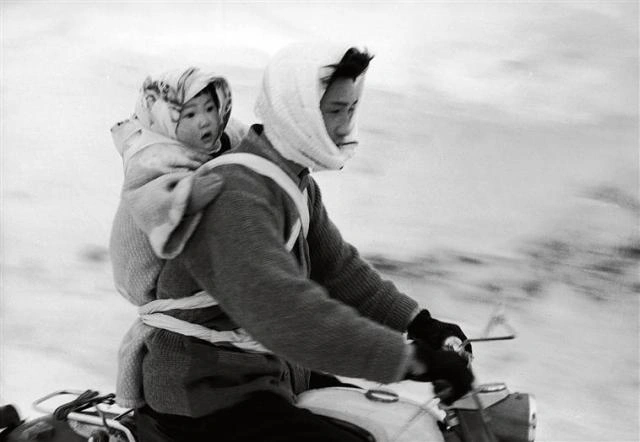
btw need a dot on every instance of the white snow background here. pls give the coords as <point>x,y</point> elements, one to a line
<point>498,161</point>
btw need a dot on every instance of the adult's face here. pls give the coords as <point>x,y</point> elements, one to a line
<point>338,105</point>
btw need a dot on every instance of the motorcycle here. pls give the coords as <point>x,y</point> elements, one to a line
<point>488,413</point>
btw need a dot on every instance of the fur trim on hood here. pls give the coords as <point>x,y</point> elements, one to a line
<point>289,105</point>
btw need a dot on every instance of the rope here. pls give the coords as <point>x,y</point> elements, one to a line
<point>85,400</point>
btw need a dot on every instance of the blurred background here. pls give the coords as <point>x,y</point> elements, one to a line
<point>498,167</point>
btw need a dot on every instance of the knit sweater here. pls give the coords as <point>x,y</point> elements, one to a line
<point>320,307</point>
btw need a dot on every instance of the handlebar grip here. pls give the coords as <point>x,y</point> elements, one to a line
<point>442,389</point>
<point>455,344</point>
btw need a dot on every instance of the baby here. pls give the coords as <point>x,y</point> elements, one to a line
<point>181,121</point>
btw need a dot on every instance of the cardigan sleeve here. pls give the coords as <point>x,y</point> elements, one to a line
<point>338,266</point>
<point>238,255</point>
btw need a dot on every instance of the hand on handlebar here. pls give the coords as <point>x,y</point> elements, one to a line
<point>434,332</point>
<point>441,365</point>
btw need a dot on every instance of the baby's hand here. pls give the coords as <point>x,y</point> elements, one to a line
<point>206,187</point>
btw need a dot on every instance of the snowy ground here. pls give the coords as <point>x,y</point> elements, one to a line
<point>499,160</point>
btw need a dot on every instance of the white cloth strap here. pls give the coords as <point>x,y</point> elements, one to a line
<point>150,313</point>
<point>198,300</point>
<point>238,337</point>
<point>293,236</point>
<point>270,170</point>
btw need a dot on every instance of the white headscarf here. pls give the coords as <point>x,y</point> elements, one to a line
<point>289,105</point>
<point>162,98</point>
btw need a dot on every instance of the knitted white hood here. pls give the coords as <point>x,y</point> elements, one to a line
<point>289,106</point>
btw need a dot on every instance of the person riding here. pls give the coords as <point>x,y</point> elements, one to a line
<point>284,295</point>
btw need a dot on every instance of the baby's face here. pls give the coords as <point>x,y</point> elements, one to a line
<point>199,123</point>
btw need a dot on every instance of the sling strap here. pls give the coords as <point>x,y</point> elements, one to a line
<point>151,313</point>
<point>269,169</point>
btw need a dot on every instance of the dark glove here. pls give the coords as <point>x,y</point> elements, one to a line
<point>434,332</point>
<point>446,366</point>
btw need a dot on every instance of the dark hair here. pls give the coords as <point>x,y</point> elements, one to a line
<point>211,90</point>
<point>354,62</point>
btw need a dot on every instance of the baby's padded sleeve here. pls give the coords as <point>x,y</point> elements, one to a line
<point>158,184</point>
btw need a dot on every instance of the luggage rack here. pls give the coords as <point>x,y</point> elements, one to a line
<point>93,415</point>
